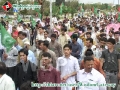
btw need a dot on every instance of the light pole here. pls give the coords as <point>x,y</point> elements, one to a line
<point>50,14</point>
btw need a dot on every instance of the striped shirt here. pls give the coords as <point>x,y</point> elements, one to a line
<point>11,60</point>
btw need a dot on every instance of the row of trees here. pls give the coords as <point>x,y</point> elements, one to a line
<point>74,7</point>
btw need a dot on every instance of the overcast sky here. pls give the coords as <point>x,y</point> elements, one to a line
<point>96,1</point>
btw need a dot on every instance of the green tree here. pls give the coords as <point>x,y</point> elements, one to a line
<point>45,9</point>
<point>24,12</point>
<point>72,6</point>
<point>55,10</point>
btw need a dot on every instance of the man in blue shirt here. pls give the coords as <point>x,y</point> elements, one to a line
<point>80,42</point>
<point>31,55</point>
<point>76,48</point>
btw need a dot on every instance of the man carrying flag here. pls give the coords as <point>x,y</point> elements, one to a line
<point>94,10</point>
<point>81,9</point>
<point>10,53</point>
<point>33,22</point>
<point>38,11</point>
<point>19,19</point>
<point>61,8</point>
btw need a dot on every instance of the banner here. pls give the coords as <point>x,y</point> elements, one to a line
<point>28,6</point>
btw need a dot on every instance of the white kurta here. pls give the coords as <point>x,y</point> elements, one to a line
<point>90,79</point>
<point>67,66</point>
<point>40,37</point>
<point>6,83</point>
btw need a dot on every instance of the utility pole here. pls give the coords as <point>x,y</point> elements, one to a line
<point>50,14</point>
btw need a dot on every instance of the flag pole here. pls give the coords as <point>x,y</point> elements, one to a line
<point>50,14</point>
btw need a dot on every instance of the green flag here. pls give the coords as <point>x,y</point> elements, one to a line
<point>95,11</point>
<point>109,7</point>
<point>19,18</point>
<point>40,15</point>
<point>61,8</point>
<point>36,9</point>
<point>33,22</point>
<point>6,39</point>
<point>118,17</point>
<point>81,8</point>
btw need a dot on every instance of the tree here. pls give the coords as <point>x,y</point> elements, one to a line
<point>25,12</point>
<point>42,2</point>
<point>11,1</point>
<point>73,7</point>
<point>55,10</point>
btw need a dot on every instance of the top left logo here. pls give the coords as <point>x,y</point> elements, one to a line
<point>7,6</point>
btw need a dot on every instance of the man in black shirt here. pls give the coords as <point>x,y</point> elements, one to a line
<point>25,70</point>
<point>111,63</point>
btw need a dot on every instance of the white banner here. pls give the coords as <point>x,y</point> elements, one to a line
<point>28,6</point>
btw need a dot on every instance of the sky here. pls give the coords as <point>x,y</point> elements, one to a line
<point>101,1</point>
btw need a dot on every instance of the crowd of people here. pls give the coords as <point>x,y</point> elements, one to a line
<point>77,50</point>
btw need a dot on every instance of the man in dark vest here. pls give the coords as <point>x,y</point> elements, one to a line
<point>25,70</point>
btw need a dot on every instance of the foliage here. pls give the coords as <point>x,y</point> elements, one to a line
<point>25,12</point>
<point>46,8</point>
<point>55,9</point>
<point>69,7</point>
<point>11,1</point>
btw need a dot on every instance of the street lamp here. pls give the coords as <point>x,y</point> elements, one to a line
<point>50,14</point>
